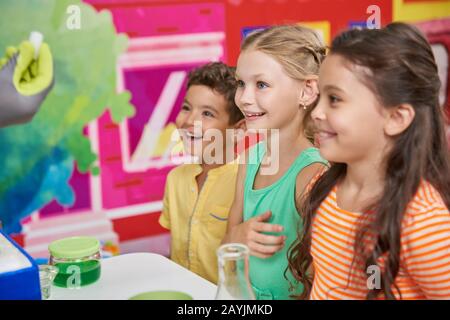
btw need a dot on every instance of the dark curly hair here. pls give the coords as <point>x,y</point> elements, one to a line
<point>220,78</point>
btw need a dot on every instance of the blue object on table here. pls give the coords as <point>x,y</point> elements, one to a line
<point>40,261</point>
<point>19,273</point>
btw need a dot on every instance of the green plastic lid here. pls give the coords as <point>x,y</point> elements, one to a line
<point>74,247</point>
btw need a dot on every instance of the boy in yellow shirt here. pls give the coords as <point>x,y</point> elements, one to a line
<point>198,197</point>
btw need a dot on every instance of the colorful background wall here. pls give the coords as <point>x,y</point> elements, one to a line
<point>95,159</point>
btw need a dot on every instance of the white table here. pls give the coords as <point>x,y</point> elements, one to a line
<point>130,274</point>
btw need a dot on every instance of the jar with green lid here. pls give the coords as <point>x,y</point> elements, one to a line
<point>78,261</point>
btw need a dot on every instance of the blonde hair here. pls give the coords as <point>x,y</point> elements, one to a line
<point>298,49</point>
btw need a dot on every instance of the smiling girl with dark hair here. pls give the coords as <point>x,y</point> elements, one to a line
<point>377,223</point>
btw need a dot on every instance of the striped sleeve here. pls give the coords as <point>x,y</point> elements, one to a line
<point>426,250</point>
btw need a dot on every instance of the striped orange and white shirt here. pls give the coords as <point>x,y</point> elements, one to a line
<point>424,271</point>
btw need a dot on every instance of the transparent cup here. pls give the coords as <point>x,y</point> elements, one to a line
<point>47,274</point>
<point>234,282</point>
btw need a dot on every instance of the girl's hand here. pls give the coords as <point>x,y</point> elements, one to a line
<point>251,234</point>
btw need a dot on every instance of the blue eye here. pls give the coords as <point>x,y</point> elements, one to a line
<point>261,85</point>
<point>333,99</point>
<point>240,83</point>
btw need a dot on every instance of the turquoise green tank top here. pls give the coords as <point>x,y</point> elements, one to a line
<point>267,275</point>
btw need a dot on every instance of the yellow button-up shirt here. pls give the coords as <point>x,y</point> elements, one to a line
<point>197,219</point>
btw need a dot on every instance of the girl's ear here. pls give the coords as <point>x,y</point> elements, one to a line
<point>398,119</point>
<point>310,92</point>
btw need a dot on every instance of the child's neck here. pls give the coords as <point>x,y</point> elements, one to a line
<point>289,141</point>
<point>366,174</point>
<point>363,182</point>
<point>282,150</point>
<point>208,167</point>
<point>201,178</point>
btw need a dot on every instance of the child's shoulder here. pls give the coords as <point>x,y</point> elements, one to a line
<point>316,177</point>
<point>427,204</point>
<point>312,155</point>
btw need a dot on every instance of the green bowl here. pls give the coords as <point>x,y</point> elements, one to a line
<point>162,295</point>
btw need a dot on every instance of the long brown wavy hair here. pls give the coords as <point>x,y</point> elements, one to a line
<point>402,70</point>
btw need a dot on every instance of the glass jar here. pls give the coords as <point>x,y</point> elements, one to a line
<point>78,261</point>
<point>234,282</point>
